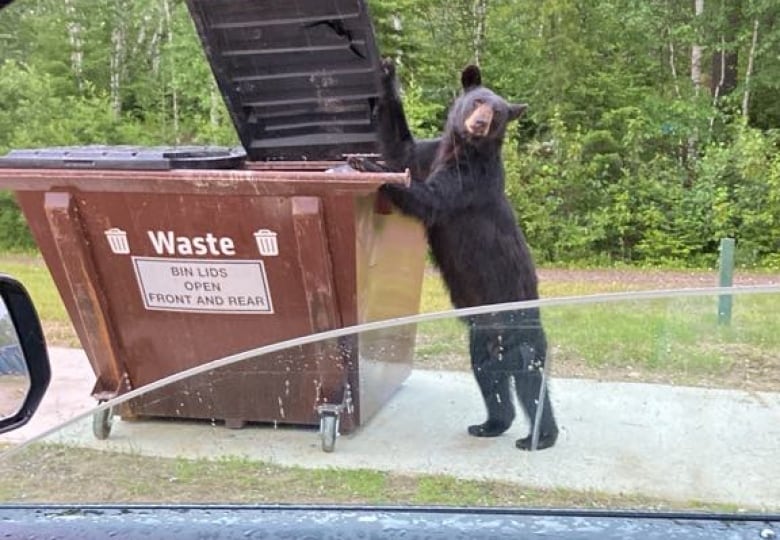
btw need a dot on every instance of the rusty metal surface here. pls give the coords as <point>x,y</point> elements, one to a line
<point>299,78</point>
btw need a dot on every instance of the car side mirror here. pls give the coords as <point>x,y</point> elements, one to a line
<point>24,361</point>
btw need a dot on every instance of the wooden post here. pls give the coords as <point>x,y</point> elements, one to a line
<point>726,279</point>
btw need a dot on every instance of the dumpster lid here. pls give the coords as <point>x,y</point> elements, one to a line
<point>299,78</point>
<point>125,157</point>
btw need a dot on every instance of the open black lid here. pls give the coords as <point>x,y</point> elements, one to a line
<point>299,78</point>
<point>125,157</point>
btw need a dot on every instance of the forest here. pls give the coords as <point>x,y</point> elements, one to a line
<point>653,129</point>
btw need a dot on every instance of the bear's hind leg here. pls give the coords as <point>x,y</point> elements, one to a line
<point>529,348</point>
<point>487,362</point>
<point>498,401</point>
<point>528,386</point>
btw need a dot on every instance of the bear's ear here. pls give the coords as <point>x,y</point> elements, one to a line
<point>471,77</point>
<point>516,110</point>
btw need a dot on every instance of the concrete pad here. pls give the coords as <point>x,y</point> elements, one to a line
<point>68,395</point>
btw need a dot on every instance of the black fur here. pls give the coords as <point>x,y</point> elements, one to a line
<point>458,193</point>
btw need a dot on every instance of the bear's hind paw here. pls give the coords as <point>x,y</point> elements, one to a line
<point>488,429</point>
<point>546,440</point>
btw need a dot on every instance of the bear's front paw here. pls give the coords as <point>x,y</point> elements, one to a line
<point>388,77</point>
<point>388,68</point>
<point>488,429</point>
<point>364,164</point>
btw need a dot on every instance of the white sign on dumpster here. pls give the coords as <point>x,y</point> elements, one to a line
<point>207,286</point>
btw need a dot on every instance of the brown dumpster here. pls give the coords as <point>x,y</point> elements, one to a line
<point>167,258</point>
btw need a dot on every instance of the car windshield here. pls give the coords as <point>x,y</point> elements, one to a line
<point>663,400</point>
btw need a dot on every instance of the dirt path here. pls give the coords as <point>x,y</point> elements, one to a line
<point>633,279</point>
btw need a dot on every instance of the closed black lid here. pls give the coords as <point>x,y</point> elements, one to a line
<point>125,157</point>
<point>299,78</point>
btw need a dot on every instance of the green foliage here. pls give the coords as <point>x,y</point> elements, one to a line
<point>14,233</point>
<point>585,196</point>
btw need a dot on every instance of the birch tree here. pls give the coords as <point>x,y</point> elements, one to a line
<point>696,51</point>
<point>117,55</point>
<point>726,56</point>
<point>749,72</point>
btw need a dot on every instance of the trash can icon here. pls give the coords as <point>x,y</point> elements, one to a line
<point>266,243</point>
<point>117,239</point>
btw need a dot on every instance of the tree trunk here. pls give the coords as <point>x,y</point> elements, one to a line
<point>174,94</point>
<point>672,65</point>
<point>76,44</point>
<point>749,72</point>
<point>117,58</point>
<point>214,99</point>
<point>154,46</point>
<point>480,23</point>
<point>696,52</point>
<point>725,59</point>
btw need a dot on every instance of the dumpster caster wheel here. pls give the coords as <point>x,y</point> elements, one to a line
<point>329,428</point>
<point>101,423</point>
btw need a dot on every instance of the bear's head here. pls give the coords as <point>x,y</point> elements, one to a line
<point>479,116</point>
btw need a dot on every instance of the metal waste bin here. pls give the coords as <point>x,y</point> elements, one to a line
<point>167,258</point>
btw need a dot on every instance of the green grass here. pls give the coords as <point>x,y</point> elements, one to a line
<point>31,270</point>
<point>52,473</point>
<point>675,340</point>
<point>677,332</point>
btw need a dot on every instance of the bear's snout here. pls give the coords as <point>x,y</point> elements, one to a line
<point>478,122</point>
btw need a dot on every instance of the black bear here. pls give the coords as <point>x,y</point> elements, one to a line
<point>458,193</point>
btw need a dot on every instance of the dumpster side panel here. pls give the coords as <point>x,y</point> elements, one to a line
<point>340,226</point>
<point>67,228</point>
<point>390,269</point>
<point>33,207</point>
